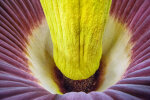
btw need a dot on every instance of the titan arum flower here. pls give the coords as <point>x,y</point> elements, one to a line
<point>75,49</point>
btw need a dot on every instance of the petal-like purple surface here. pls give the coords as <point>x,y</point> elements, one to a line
<point>19,17</point>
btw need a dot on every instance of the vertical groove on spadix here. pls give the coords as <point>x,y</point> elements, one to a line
<point>16,83</point>
<point>77,28</point>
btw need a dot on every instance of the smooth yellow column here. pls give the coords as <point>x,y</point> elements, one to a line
<point>76,28</point>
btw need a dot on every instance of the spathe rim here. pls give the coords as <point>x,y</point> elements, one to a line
<point>16,82</point>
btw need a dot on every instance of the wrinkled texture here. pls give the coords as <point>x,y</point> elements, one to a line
<point>17,18</point>
<point>77,27</point>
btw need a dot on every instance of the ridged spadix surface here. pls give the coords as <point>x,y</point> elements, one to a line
<point>17,82</point>
<point>76,27</point>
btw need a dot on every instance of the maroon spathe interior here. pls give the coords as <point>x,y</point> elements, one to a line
<point>19,17</point>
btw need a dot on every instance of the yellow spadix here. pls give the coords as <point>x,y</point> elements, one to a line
<point>76,28</point>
